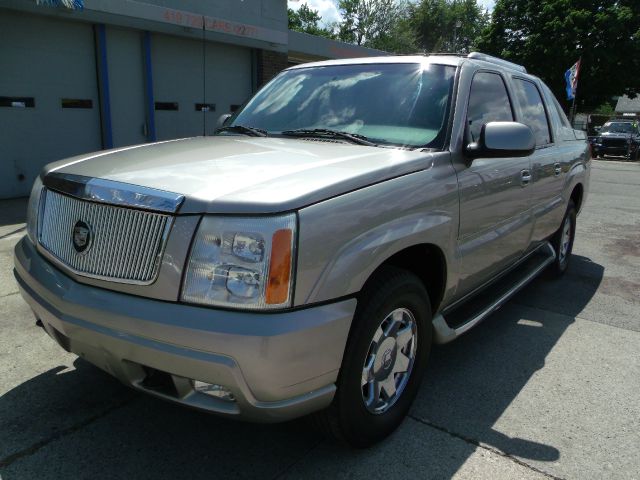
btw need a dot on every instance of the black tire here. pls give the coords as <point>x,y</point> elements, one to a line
<point>348,418</point>
<point>561,263</point>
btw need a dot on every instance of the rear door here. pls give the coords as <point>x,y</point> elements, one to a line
<point>495,221</point>
<point>549,163</point>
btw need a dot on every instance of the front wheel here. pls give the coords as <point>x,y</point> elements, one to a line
<point>384,360</point>
<point>562,242</point>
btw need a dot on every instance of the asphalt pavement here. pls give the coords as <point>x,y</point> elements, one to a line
<point>547,387</point>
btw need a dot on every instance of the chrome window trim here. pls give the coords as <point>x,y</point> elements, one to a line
<point>114,193</point>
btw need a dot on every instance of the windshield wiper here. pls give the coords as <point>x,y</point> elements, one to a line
<point>254,132</point>
<point>326,132</point>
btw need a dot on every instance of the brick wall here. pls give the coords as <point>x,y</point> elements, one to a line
<point>270,64</point>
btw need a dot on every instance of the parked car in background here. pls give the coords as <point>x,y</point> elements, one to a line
<point>618,137</point>
<point>305,258</point>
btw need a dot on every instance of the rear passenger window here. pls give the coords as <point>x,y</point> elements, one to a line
<point>533,113</point>
<point>488,102</point>
<point>563,117</point>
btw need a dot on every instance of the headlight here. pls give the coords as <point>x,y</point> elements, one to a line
<point>33,210</point>
<point>242,262</point>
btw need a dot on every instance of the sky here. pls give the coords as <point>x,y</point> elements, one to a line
<point>329,11</point>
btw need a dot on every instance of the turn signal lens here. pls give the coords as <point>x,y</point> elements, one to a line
<point>279,267</point>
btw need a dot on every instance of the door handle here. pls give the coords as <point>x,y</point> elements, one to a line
<point>525,177</point>
<point>557,169</point>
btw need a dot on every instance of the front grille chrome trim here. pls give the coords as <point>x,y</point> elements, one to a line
<point>129,243</point>
<point>114,193</point>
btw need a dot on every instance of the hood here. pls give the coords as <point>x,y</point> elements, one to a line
<point>239,174</point>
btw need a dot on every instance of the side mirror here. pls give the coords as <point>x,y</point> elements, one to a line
<point>503,139</point>
<point>597,129</point>
<point>222,120</point>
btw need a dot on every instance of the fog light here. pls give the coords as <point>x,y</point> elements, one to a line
<point>217,391</point>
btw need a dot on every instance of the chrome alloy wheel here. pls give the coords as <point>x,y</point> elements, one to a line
<point>389,361</point>
<point>565,239</point>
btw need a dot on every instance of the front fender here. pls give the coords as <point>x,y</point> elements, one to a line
<point>343,240</point>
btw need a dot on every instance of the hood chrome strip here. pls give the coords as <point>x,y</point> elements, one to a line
<point>114,193</point>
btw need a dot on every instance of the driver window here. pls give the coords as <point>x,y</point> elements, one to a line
<point>488,102</point>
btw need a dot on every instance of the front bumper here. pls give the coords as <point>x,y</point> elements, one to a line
<point>618,150</point>
<point>277,365</point>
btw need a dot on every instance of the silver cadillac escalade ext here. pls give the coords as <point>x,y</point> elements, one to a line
<point>305,257</point>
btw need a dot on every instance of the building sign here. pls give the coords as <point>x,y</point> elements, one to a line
<point>70,4</point>
<point>213,24</point>
<point>183,18</point>
<point>193,20</point>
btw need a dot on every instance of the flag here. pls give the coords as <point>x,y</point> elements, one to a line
<point>571,76</point>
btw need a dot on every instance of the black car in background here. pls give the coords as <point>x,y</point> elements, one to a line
<point>618,137</point>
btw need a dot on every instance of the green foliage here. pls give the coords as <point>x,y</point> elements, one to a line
<point>307,20</point>
<point>400,37</point>
<point>605,109</point>
<point>548,36</point>
<point>400,26</point>
<point>452,26</point>
<point>364,22</point>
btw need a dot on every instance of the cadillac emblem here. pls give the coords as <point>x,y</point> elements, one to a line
<point>82,236</point>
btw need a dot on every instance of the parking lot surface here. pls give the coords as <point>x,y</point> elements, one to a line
<point>547,387</point>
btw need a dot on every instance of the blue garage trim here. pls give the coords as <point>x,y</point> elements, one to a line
<point>148,68</point>
<point>105,96</point>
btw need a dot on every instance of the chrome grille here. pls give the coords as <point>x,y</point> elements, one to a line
<point>614,142</point>
<point>126,244</point>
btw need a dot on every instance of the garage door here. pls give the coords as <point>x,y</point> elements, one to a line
<point>49,96</point>
<point>228,78</point>
<point>186,103</point>
<point>126,86</point>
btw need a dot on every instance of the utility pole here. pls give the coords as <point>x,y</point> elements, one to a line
<point>457,25</point>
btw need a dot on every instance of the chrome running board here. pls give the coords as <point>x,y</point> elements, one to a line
<point>464,317</point>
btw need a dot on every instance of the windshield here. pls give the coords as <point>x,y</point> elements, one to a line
<point>392,104</point>
<point>619,127</point>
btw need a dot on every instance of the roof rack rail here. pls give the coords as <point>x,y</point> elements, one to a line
<point>445,54</point>
<point>498,61</point>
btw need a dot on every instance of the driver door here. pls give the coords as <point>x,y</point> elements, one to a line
<point>495,193</point>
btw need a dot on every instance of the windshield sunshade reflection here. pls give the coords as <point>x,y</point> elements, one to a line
<point>394,104</point>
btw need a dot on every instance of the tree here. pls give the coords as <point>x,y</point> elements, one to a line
<point>453,26</point>
<point>605,109</point>
<point>400,36</point>
<point>307,20</point>
<point>548,36</point>
<point>365,22</point>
